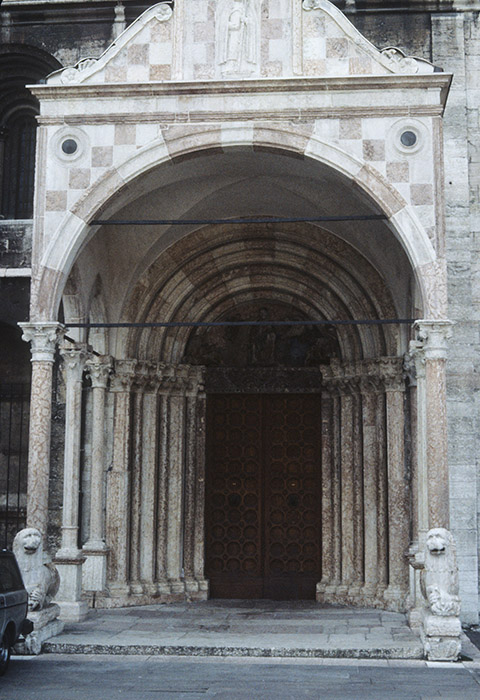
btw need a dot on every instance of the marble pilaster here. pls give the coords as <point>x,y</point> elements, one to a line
<point>43,337</point>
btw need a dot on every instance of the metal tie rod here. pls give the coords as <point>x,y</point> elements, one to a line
<point>247,220</point>
<point>207,324</point>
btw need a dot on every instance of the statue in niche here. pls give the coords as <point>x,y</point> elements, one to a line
<point>237,37</point>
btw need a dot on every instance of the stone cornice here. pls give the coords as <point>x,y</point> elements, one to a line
<point>258,116</point>
<point>439,81</point>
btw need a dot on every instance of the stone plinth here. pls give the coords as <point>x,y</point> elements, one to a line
<point>441,637</point>
<point>45,625</point>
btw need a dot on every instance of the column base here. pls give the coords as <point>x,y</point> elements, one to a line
<point>395,598</point>
<point>70,590</point>
<point>72,611</point>
<point>94,570</point>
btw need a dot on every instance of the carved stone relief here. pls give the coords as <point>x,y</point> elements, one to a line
<point>263,345</point>
<point>237,37</point>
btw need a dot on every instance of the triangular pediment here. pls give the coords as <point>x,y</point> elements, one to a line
<point>198,40</point>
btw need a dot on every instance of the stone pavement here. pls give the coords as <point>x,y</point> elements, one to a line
<point>84,677</point>
<point>242,628</point>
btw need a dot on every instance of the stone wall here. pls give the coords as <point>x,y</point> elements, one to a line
<point>15,243</point>
<point>456,47</point>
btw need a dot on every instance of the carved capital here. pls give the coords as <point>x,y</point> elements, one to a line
<point>44,338</point>
<point>432,338</point>
<point>123,376</point>
<point>390,370</point>
<point>99,370</point>
<point>182,379</point>
<point>74,359</point>
<point>371,385</point>
<point>409,368</point>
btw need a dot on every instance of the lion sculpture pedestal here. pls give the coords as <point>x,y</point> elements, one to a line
<point>41,580</point>
<point>440,625</point>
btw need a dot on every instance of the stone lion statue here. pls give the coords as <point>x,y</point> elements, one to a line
<point>439,577</point>
<point>40,577</point>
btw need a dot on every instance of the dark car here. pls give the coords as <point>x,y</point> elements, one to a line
<point>13,607</point>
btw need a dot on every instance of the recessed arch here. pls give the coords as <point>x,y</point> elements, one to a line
<point>117,188</point>
<point>299,264</point>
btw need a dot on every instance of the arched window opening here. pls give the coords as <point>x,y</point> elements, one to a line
<point>19,166</point>
<point>20,65</point>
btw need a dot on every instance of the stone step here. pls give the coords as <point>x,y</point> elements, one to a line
<point>410,650</point>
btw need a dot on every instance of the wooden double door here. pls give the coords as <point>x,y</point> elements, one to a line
<point>263,496</point>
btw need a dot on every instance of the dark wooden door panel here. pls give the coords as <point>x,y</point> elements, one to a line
<point>263,501</point>
<point>292,495</point>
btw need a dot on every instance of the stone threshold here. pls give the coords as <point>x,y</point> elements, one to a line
<point>408,651</point>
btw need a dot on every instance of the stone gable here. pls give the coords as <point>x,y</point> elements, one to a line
<point>239,39</point>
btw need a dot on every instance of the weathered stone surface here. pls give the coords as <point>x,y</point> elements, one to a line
<point>40,577</point>
<point>219,110</point>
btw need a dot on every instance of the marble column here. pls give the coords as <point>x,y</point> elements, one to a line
<point>347,486</point>
<point>175,487</point>
<point>196,586</point>
<point>118,481</point>
<point>430,352</point>
<point>371,468</point>
<point>398,494</point>
<point>95,549</point>
<point>43,338</point>
<point>327,495</point>
<point>69,558</point>
<point>148,484</point>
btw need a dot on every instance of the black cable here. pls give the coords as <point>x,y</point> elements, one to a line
<point>204,324</point>
<point>246,220</point>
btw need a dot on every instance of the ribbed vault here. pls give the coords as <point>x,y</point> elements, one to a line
<point>210,274</point>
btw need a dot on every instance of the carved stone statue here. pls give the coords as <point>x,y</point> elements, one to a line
<point>440,625</point>
<point>40,577</point>
<point>439,578</point>
<point>237,37</point>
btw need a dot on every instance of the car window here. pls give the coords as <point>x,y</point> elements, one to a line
<point>10,579</point>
